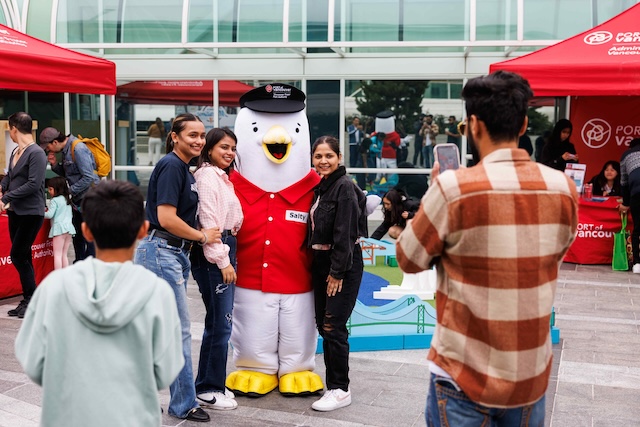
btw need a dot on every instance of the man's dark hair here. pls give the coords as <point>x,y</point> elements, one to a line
<point>500,100</point>
<point>22,121</point>
<point>114,212</point>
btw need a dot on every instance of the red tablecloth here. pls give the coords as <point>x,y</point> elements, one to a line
<point>597,223</point>
<point>41,251</point>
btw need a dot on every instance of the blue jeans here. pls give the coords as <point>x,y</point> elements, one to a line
<point>172,264</point>
<point>427,156</point>
<point>218,300</point>
<point>447,405</point>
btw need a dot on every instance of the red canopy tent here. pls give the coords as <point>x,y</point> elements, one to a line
<point>183,92</point>
<point>34,65</point>
<point>604,60</point>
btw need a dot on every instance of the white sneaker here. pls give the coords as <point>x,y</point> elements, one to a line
<point>333,399</point>
<point>218,400</point>
<point>636,268</point>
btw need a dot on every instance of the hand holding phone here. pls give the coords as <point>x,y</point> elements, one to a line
<point>447,155</point>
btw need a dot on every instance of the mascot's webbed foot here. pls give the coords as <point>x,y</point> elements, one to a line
<point>300,384</point>
<point>251,383</point>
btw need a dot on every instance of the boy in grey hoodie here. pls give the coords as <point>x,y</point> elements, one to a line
<point>103,336</point>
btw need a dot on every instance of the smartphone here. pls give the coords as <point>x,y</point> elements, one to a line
<point>447,155</point>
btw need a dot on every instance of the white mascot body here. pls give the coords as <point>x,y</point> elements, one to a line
<point>274,334</point>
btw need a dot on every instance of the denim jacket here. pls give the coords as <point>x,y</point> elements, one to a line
<point>339,219</point>
<point>80,174</point>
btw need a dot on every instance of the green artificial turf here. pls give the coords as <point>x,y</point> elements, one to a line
<point>391,274</point>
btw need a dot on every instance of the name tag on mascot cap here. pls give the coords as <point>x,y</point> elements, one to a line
<point>274,147</point>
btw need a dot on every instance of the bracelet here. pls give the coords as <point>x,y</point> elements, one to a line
<point>205,239</point>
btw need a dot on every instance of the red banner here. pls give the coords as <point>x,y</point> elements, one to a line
<point>597,223</point>
<point>603,126</point>
<point>41,251</point>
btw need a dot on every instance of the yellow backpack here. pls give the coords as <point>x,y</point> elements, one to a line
<point>100,155</point>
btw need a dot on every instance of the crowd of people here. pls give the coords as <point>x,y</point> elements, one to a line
<point>124,301</point>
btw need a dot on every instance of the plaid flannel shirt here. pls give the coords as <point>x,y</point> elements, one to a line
<point>497,233</point>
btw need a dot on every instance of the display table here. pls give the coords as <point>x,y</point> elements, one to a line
<point>597,221</point>
<point>41,251</point>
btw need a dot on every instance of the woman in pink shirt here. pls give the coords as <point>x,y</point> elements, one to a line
<point>213,265</point>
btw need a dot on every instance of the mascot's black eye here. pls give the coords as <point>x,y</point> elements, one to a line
<point>255,129</point>
<point>297,130</point>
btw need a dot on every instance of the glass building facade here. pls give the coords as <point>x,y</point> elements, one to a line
<point>328,48</point>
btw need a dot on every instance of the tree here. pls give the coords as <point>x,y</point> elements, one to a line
<point>538,122</point>
<point>402,97</point>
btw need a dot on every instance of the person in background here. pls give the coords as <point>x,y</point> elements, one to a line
<point>355,138</point>
<point>214,265</point>
<point>607,182</point>
<point>22,196</point>
<point>559,151</point>
<point>172,203</point>
<point>61,216</point>
<point>413,185</point>
<point>336,221</point>
<point>429,132</point>
<point>79,173</point>
<point>490,358</point>
<point>540,142</point>
<point>103,336</point>
<point>524,142</point>
<point>630,186</point>
<point>397,209</point>
<point>417,141</point>
<point>451,130</point>
<point>157,135</point>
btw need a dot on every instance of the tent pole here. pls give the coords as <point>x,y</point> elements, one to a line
<point>67,114</point>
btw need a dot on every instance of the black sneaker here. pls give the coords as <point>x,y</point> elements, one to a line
<point>198,415</point>
<point>21,308</point>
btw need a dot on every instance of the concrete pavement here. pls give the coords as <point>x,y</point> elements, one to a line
<point>595,380</point>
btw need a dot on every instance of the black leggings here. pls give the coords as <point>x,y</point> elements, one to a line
<point>23,230</point>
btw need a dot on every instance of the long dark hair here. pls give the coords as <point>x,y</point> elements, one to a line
<point>557,130</point>
<point>396,198</point>
<point>600,180</point>
<point>214,136</point>
<point>60,188</point>
<point>178,126</point>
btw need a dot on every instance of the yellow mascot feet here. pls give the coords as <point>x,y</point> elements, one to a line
<point>251,383</point>
<point>300,383</point>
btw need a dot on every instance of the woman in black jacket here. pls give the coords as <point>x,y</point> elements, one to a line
<point>336,221</point>
<point>397,209</point>
<point>559,151</point>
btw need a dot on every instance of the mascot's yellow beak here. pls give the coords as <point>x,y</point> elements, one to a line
<point>277,144</point>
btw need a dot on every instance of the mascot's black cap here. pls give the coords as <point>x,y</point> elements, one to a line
<point>385,114</point>
<point>274,98</point>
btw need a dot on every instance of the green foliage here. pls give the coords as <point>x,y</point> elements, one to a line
<point>538,122</point>
<point>402,97</point>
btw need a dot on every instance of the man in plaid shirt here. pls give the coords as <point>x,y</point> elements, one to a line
<point>497,233</point>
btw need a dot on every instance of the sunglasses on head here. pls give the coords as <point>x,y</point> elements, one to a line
<point>462,126</point>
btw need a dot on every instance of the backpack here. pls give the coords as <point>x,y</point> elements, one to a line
<point>100,155</point>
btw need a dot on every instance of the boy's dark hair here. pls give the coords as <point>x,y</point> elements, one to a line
<point>114,212</point>
<point>22,121</point>
<point>500,100</point>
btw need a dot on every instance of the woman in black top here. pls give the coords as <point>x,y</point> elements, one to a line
<point>559,151</point>
<point>23,190</point>
<point>336,221</point>
<point>397,209</point>
<point>607,182</point>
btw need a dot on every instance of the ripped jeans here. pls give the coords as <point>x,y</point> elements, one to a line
<point>332,314</point>
<point>218,301</point>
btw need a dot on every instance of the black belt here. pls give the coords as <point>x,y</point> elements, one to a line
<point>176,241</point>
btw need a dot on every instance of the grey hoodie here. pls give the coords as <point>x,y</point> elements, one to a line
<point>102,339</point>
